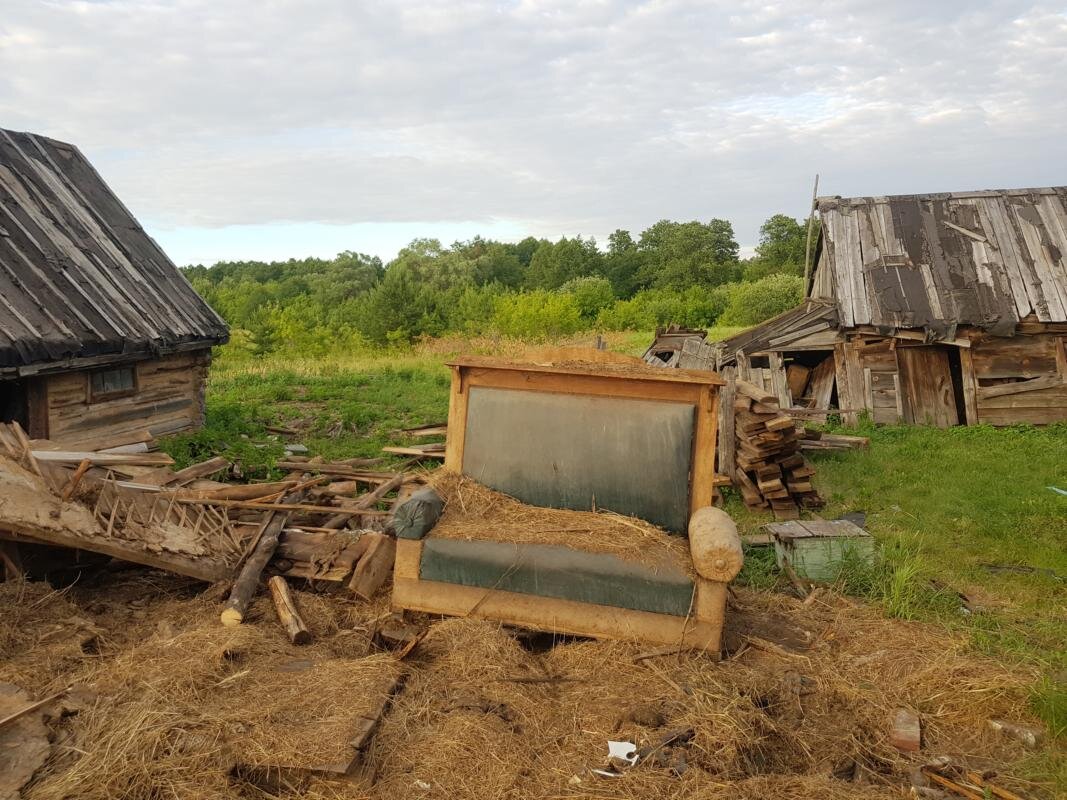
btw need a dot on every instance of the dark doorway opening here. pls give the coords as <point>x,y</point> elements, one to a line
<point>14,403</point>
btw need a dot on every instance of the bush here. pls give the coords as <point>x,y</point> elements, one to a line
<point>591,293</point>
<point>695,307</point>
<point>537,315</point>
<point>752,303</point>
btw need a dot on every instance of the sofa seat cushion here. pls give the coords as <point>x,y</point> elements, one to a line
<point>556,571</point>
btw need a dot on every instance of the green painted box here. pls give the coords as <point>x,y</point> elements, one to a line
<point>816,548</point>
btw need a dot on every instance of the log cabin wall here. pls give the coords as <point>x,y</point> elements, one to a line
<point>167,396</point>
<point>1021,379</point>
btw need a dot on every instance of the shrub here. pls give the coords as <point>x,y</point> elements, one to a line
<point>537,315</point>
<point>591,293</point>
<point>752,303</point>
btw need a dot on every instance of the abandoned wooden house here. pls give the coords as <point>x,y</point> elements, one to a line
<point>102,340</point>
<point>938,309</point>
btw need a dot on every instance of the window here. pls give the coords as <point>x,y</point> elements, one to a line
<point>111,383</point>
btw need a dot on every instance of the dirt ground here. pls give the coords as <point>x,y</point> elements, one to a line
<point>169,704</point>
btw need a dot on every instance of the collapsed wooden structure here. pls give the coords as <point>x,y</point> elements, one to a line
<point>938,309</point>
<point>134,507</point>
<point>101,337</point>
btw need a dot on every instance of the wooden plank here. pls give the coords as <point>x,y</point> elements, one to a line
<point>634,373</point>
<point>778,383</point>
<point>969,386</point>
<point>701,631</point>
<point>822,383</point>
<point>103,459</point>
<point>1018,387</point>
<point>727,420</point>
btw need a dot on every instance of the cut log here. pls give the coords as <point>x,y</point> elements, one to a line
<point>287,612</point>
<point>248,579</point>
<point>375,566</point>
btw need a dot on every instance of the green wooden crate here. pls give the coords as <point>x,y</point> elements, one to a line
<point>816,548</point>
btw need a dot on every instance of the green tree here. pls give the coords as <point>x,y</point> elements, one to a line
<point>553,265</point>
<point>781,248</point>
<point>683,254</point>
<point>591,293</point>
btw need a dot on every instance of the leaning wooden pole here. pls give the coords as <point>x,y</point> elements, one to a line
<point>287,612</point>
<point>807,244</point>
<point>233,613</point>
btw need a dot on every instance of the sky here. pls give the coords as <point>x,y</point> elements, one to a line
<point>271,129</point>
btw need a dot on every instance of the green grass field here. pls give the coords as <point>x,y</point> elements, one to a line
<point>971,536</point>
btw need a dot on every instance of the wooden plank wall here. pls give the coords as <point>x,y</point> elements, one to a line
<point>170,398</point>
<point>1022,379</point>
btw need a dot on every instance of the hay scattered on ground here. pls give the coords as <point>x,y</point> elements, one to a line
<point>473,511</point>
<point>180,700</point>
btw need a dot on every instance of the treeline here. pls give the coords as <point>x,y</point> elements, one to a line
<point>684,272</point>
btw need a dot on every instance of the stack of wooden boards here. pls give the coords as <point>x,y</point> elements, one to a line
<point>327,519</point>
<point>764,444</point>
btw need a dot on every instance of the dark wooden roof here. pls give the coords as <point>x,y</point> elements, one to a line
<point>936,261</point>
<point>80,280</point>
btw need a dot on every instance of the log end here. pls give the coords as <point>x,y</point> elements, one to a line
<point>231,617</point>
<point>301,637</point>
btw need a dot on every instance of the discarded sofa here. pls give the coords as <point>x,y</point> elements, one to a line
<point>624,437</point>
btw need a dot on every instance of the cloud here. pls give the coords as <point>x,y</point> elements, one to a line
<point>555,117</point>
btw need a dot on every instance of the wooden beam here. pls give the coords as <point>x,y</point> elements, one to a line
<point>1031,385</point>
<point>103,459</point>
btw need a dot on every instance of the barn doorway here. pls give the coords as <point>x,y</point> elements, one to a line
<point>14,403</point>
<point>927,387</point>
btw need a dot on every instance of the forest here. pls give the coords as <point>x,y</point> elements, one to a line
<point>683,272</point>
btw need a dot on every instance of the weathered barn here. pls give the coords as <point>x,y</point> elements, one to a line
<point>102,340</point>
<point>941,308</point>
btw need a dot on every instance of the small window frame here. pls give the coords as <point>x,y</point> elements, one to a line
<point>98,396</point>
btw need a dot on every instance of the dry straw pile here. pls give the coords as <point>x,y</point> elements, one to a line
<point>176,701</point>
<point>473,511</point>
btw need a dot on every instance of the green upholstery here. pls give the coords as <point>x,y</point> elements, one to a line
<point>417,515</point>
<point>623,454</point>
<point>553,571</point>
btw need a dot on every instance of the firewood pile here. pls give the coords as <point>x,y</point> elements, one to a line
<point>769,468</point>
<point>324,523</point>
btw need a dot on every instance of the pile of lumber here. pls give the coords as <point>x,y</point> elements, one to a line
<point>760,447</point>
<point>324,522</point>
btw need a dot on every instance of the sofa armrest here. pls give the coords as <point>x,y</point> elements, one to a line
<point>417,515</point>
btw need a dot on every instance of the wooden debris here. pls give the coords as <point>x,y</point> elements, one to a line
<point>435,450</point>
<point>287,612</point>
<point>248,579</point>
<point>769,468</point>
<point>32,707</point>
<point>102,459</point>
<point>374,567</point>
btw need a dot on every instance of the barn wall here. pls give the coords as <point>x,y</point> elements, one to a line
<point>169,398</point>
<point>1021,379</point>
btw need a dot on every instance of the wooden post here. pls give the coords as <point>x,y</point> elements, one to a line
<point>287,612</point>
<point>807,243</point>
<point>727,445</point>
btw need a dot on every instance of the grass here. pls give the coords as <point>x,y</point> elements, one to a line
<point>971,536</point>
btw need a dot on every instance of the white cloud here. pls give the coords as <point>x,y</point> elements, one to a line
<point>554,116</point>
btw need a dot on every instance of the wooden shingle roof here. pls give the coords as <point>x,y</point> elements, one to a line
<point>936,261</point>
<point>80,280</point>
